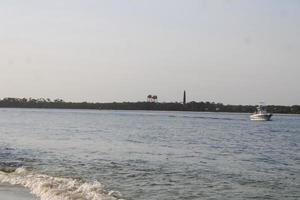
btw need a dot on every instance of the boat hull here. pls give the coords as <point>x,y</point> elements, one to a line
<point>261,117</point>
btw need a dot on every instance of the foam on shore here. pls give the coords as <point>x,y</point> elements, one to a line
<point>55,188</point>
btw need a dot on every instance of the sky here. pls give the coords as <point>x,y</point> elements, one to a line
<point>230,51</point>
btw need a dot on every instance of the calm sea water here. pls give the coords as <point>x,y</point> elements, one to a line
<point>153,155</point>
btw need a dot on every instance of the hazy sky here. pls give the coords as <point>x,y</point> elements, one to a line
<point>237,52</point>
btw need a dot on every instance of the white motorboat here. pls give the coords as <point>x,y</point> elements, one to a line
<point>261,114</point>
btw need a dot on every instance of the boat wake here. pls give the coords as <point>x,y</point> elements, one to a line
<point>55,188</point>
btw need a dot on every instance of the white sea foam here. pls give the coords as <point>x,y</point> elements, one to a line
<point>55,188</point>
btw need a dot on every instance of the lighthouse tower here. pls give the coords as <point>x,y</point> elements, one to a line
<point>184,98</point>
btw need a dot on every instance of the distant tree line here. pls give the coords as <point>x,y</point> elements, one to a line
<point>175,106</point>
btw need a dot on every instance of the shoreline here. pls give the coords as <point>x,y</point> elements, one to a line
<point>14,192</point>
<point>191,111</point>
<point>201,106</point>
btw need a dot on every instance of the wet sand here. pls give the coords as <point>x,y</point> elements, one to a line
<point>9,192</point>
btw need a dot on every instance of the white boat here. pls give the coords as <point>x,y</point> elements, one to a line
<point>261,114</point>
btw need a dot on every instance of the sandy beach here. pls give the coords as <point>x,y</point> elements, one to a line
<point>9,192</point>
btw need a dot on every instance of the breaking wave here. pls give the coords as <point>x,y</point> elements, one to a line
<point>55,188</point>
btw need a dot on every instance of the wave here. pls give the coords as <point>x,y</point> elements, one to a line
<point>56,188</point>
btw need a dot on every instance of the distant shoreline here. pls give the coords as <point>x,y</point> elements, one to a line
<point>165,106</point>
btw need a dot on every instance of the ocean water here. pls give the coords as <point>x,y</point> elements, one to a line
<point>147,155</point>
